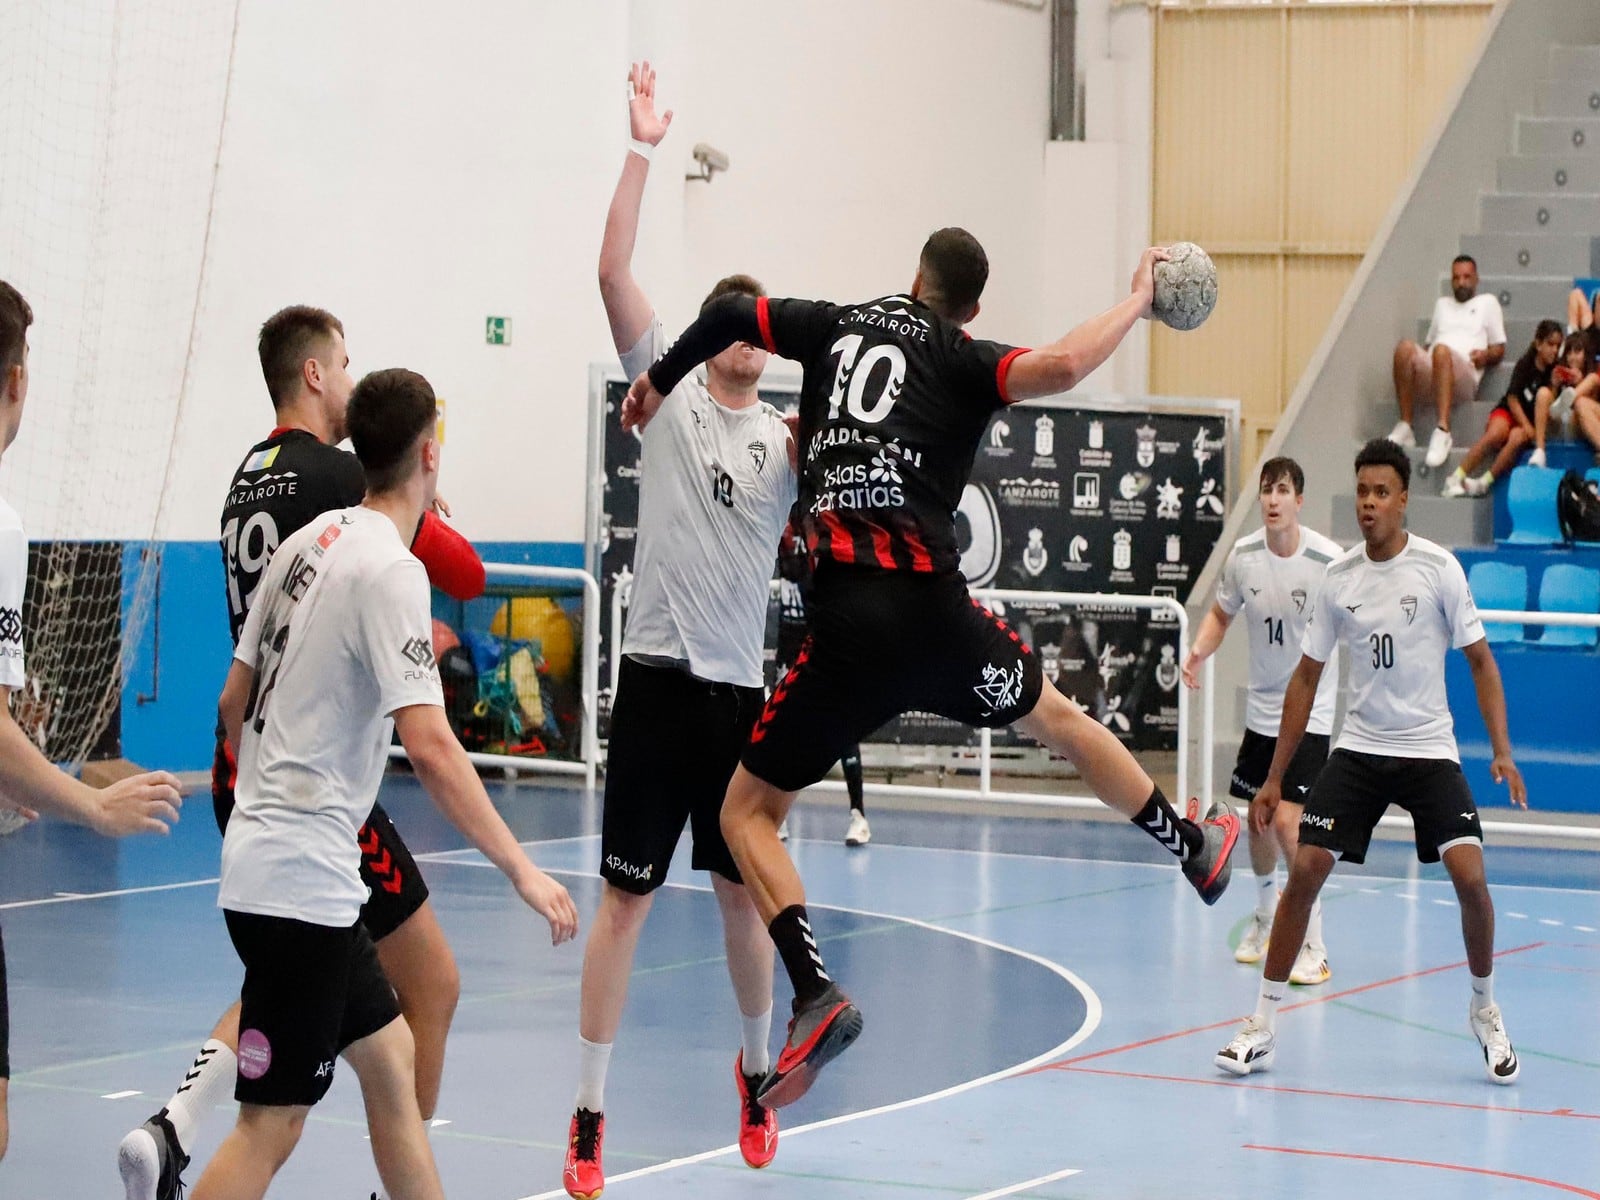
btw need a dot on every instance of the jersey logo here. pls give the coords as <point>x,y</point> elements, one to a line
<point>1408,605</point>
<point>1255,591</point>
<point>884,469</point>
<point>419,651</point>
<point>10,625</point>
<point>758,453</point>
<point>1299,598</point>
<point>260,460</point>
<point>1352,607</point>
<point>1001,688</point>
<point>329,536</point>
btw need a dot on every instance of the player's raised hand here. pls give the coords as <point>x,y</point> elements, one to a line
<point>1144,276</point>
<point>1265,805</point>
<point>643,123</point>
<point>146,803</point>
<point>1503,770</point>
<point>552,902</point>
<point>640,404</point>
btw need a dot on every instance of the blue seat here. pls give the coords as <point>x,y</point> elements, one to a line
<point>1500,585</point>
<point>1531,501</point>
<point>1574,589</point>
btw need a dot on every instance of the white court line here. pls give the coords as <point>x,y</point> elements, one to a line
<point>1026,1184</point>
<point>138,891</point>
<point>120,1095</point>
<point>1092,1017</point>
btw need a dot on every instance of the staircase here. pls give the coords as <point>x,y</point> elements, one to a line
<point>1538,230</point>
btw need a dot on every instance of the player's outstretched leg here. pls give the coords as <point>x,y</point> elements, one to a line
<point>750,952</point>
<point>825,1023</point>
<point>151,1158</point>
<point>1464,861</point>
<point>1203,848</point>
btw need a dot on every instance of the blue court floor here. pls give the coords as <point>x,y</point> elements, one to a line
<point>1042,1002</point>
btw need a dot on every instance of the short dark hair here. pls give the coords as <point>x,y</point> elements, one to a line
<point>733,285</point>
<point>1544,329</point>
<point>1381,452</point>
<point>15,317</point>
<point>954,270</point>
<point>289,337</point>
<point>388,411</point>
<point>1464,258</point>
<point>1275,469</point>
<point>1578,341</point>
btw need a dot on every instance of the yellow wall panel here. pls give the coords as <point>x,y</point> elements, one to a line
<point>1232,354</point>
<point>1313,288</point>
<point>1218,114</point>
<point>1347,132</point>
<point>1442,42</point>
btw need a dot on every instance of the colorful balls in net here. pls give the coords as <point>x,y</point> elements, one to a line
<point>1186,287</point>
<point>540,619</point>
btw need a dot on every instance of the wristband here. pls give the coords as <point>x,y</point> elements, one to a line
<point>642,149</point>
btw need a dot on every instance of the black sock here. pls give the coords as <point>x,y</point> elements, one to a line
<point>850,764</point>
<point>1183,838</point>
<point>791,933</point>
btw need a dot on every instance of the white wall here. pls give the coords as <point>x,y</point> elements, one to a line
<point>416,167</point>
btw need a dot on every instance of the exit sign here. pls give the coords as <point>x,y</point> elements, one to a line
<point>497,331</point>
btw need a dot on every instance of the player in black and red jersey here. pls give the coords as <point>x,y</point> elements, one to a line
<point>293,476</point>
<point>894,401</point>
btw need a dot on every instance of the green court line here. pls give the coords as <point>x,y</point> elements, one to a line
<point>1522,1052</point>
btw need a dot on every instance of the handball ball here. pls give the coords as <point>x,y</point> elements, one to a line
<point>1186,287</point>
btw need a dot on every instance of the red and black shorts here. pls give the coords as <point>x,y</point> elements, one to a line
<point>395,887</point>
<point>885,643</point>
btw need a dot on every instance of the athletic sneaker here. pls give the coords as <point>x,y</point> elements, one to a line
<point>1537,459</point>
<point>1402,435</point>
<point>1251,1049</point>
<point>1439,445</point>
<point>1252,947</point>
<point>1311,966</point>
<point>859,833</point>
<point>151,1161</point>
<point>1562,405</point>
<point>1480,485</point>
<point>1499,1059</point>
<point>1455,486</point>
<point>584,1177</point>
<point>758,1124</point>
<point>1209,870</point>
<point>818,1033</point>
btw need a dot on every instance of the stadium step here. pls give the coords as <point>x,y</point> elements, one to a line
<point>1569,97</point>
<point>1519,336</point>
<point>1528,297</point>
<point>1448,522</point>
<point>1577,171</point>
<point>1539,211</point>
<point>1580,63</point>
<point>1514,255</point>
<point>1558,135</point>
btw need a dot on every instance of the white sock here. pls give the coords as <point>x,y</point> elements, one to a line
<point>1314,926</point>
<point>1482,992</point>
<point>757,1031</point>
<point>1267,895</point>
<point>593,1059</point>
<point>210,1082</point>
<point>1267,1003</point>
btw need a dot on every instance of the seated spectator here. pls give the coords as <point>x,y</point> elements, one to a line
<point>1572,380</point>
<point>1466,337</point>
<point>1510,425</point>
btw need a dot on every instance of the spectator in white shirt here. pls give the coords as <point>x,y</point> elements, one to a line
<point>1466,337</point>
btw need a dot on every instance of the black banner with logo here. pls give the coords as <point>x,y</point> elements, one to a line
<point>1060,500</point>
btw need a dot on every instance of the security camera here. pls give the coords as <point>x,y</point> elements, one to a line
<point>710,160</point>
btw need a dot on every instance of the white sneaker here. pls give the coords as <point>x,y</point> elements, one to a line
<point>1310,966</point>
<point>1439,445</point>
<point>1480,485</point>
<point>1455,486</point>
<point>783,830</point>
<point>1252,947</point>
<point>1536,459</point>
<point>1561,406</point>
<point>1499,1059</point>
<point>1251,1049</point>
<point>1403,436</point>
<point>859,833</point>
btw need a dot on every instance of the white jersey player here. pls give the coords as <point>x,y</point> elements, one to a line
<point>1397,604</point>
<point>1273,577</point>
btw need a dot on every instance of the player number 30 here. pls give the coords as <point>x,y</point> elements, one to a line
<point>1382,651</point>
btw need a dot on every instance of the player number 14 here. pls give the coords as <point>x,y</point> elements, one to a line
<point>1275,630</point>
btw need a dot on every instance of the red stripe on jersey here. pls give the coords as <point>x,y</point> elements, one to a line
<point>881,546</point>
<point>841,546</point>
<point>1003,370</point>
<point>921,560</point>
<point>764,319</point>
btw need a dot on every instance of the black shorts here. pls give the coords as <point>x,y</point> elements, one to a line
<point>309,991</point>
<point>1354,789</point>
<point>5,1015</point>
<point>675,741</point>
<point>1255,759</point>
<point>395,887</point>
<point>884,643</point>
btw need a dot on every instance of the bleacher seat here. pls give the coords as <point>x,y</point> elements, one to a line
<point>1569,588</point>
<point>1531,499</point>
<point>1499,585</point>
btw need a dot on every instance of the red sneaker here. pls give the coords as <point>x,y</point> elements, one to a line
<point>818,1033</point>
<point>1210,869</point>
<point>758,1124</point>
<point>583,1177</point>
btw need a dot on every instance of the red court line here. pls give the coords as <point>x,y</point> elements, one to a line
<point>1355,991</point>
<point>1417,1162</point>
<point>1323,1094</point>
